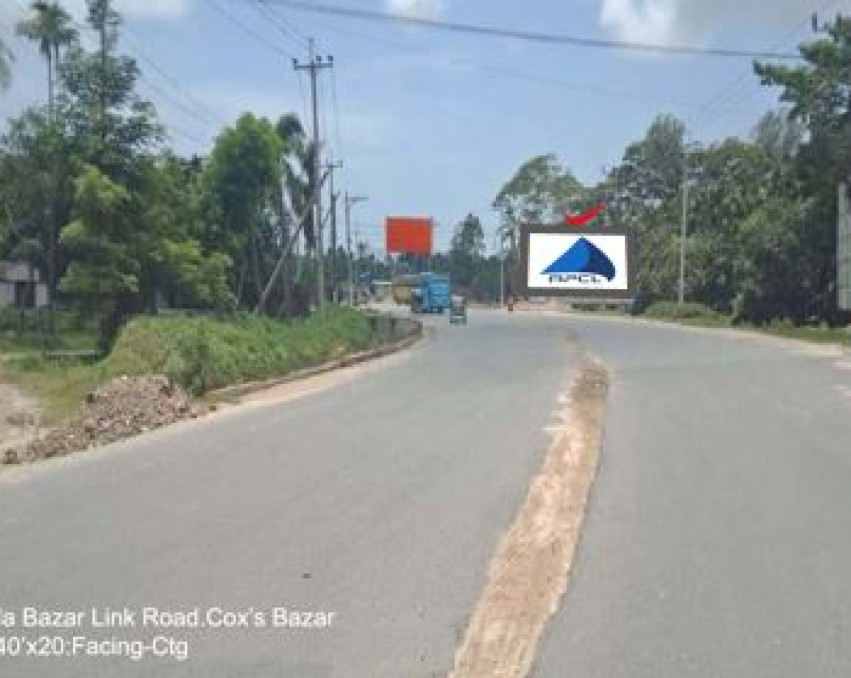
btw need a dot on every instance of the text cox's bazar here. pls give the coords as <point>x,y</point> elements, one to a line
<point>153,617</point>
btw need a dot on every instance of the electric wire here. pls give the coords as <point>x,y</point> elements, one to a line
<point>530,36</point>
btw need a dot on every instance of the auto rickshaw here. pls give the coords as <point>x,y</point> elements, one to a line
<point>457,310</point>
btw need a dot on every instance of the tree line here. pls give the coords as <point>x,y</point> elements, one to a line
<point>762,211</point>
<point>118,223</point>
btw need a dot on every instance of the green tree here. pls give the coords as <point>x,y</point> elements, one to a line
<point>820,98</point>
<point>643,194</point>
<point>37,169</point>
<point>104,275</point>
<point>295,195</point>
<point>176,268</point>
<point>466,250</point>
<point>779,135</point>
<point>242,181</point>
<point>729,181</point>
<point>776,272</point>
<point>99,105</point>
<point>538,193</point>
<point>50,26</point>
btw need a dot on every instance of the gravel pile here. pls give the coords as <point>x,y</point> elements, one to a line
<point>121,408</point>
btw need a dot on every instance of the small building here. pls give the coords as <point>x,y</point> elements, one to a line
<point>21,286</point>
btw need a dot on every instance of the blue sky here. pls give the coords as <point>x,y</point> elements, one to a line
<point>434,123</point>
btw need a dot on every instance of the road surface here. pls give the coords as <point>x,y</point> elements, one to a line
<point>717,541</point>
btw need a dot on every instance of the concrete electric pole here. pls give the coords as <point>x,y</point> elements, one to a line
<point>349,201</point>
<point>315,64</point>
<point>330,167</point>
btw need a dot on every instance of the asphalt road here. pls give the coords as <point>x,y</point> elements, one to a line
<point>380,500</point>
<point>717,543</point>
<point>718,538</point>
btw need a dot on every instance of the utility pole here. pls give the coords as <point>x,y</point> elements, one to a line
<point>683,230</point>
<point>315,64</point>
<point>261,304</point>
<point>330,167</point>
<point>350,200</point>
<point>501,272</point>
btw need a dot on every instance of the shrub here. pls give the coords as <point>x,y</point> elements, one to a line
<point>203,354</point>
<point>670,310</point>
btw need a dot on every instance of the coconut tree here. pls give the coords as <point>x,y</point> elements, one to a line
<point>298,161</point>
<point>52,28</point>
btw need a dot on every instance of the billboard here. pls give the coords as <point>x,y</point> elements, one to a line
<point>843,252</point>
<point>409,235</point>
<point>594,264</point>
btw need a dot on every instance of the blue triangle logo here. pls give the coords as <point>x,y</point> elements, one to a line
<point>583,257</point>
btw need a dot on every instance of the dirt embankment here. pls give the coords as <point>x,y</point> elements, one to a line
<point>529,572</point>
<point>19,417</point>
<point>121,408</point>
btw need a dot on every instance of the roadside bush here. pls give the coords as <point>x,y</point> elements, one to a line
<point>202,354</point>
<point>669,310</point>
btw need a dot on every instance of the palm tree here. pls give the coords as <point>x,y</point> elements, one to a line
<point>298,167</point>
<point>52,28</point>
<point>297,171</point>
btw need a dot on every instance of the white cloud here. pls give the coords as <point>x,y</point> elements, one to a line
<point>641,20</point>
<point>684,21</point>
<point>416,9</point>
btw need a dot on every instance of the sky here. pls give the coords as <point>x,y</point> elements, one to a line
<point>434,123</point>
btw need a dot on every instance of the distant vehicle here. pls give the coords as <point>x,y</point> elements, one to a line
<point>402,286</point>
<point>432,294</point>
<point>458,310</point>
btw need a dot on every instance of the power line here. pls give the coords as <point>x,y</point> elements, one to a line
<point>177,102</point>
<point>248,30</point>
<point>199,111</point>
<point>531,36</point>
<point>735,90</point>
<point>630,97</point>
<point>265,12</point>
<point>194,108</point>
<point>285,26</point>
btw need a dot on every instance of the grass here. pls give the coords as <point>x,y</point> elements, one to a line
<point>788,330</point>
<point>200,354</point>
<point>60,386</point>
<point>698,315</point>
<point>27,332</point>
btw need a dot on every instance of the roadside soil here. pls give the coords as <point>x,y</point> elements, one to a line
<point>529,571</point>
<point>121,408</point>
<point>19,416</point>
<point>128,406</point>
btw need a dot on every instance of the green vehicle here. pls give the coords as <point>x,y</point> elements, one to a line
<point>457,310</point>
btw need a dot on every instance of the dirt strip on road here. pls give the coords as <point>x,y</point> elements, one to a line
<point>529,571</point>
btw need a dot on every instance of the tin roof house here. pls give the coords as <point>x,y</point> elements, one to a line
<point>20,286</point>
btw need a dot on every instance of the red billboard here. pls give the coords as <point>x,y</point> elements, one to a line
<point>409,235</point>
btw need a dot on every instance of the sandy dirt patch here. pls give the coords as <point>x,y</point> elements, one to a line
<point>529,572</point>
<point>19,417</point>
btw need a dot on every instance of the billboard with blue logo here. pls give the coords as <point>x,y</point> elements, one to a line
<point>594,263</point>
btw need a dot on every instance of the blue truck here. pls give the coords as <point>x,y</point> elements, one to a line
<point>431,294</point>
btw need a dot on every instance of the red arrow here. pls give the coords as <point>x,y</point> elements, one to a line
<point>585,217</point>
